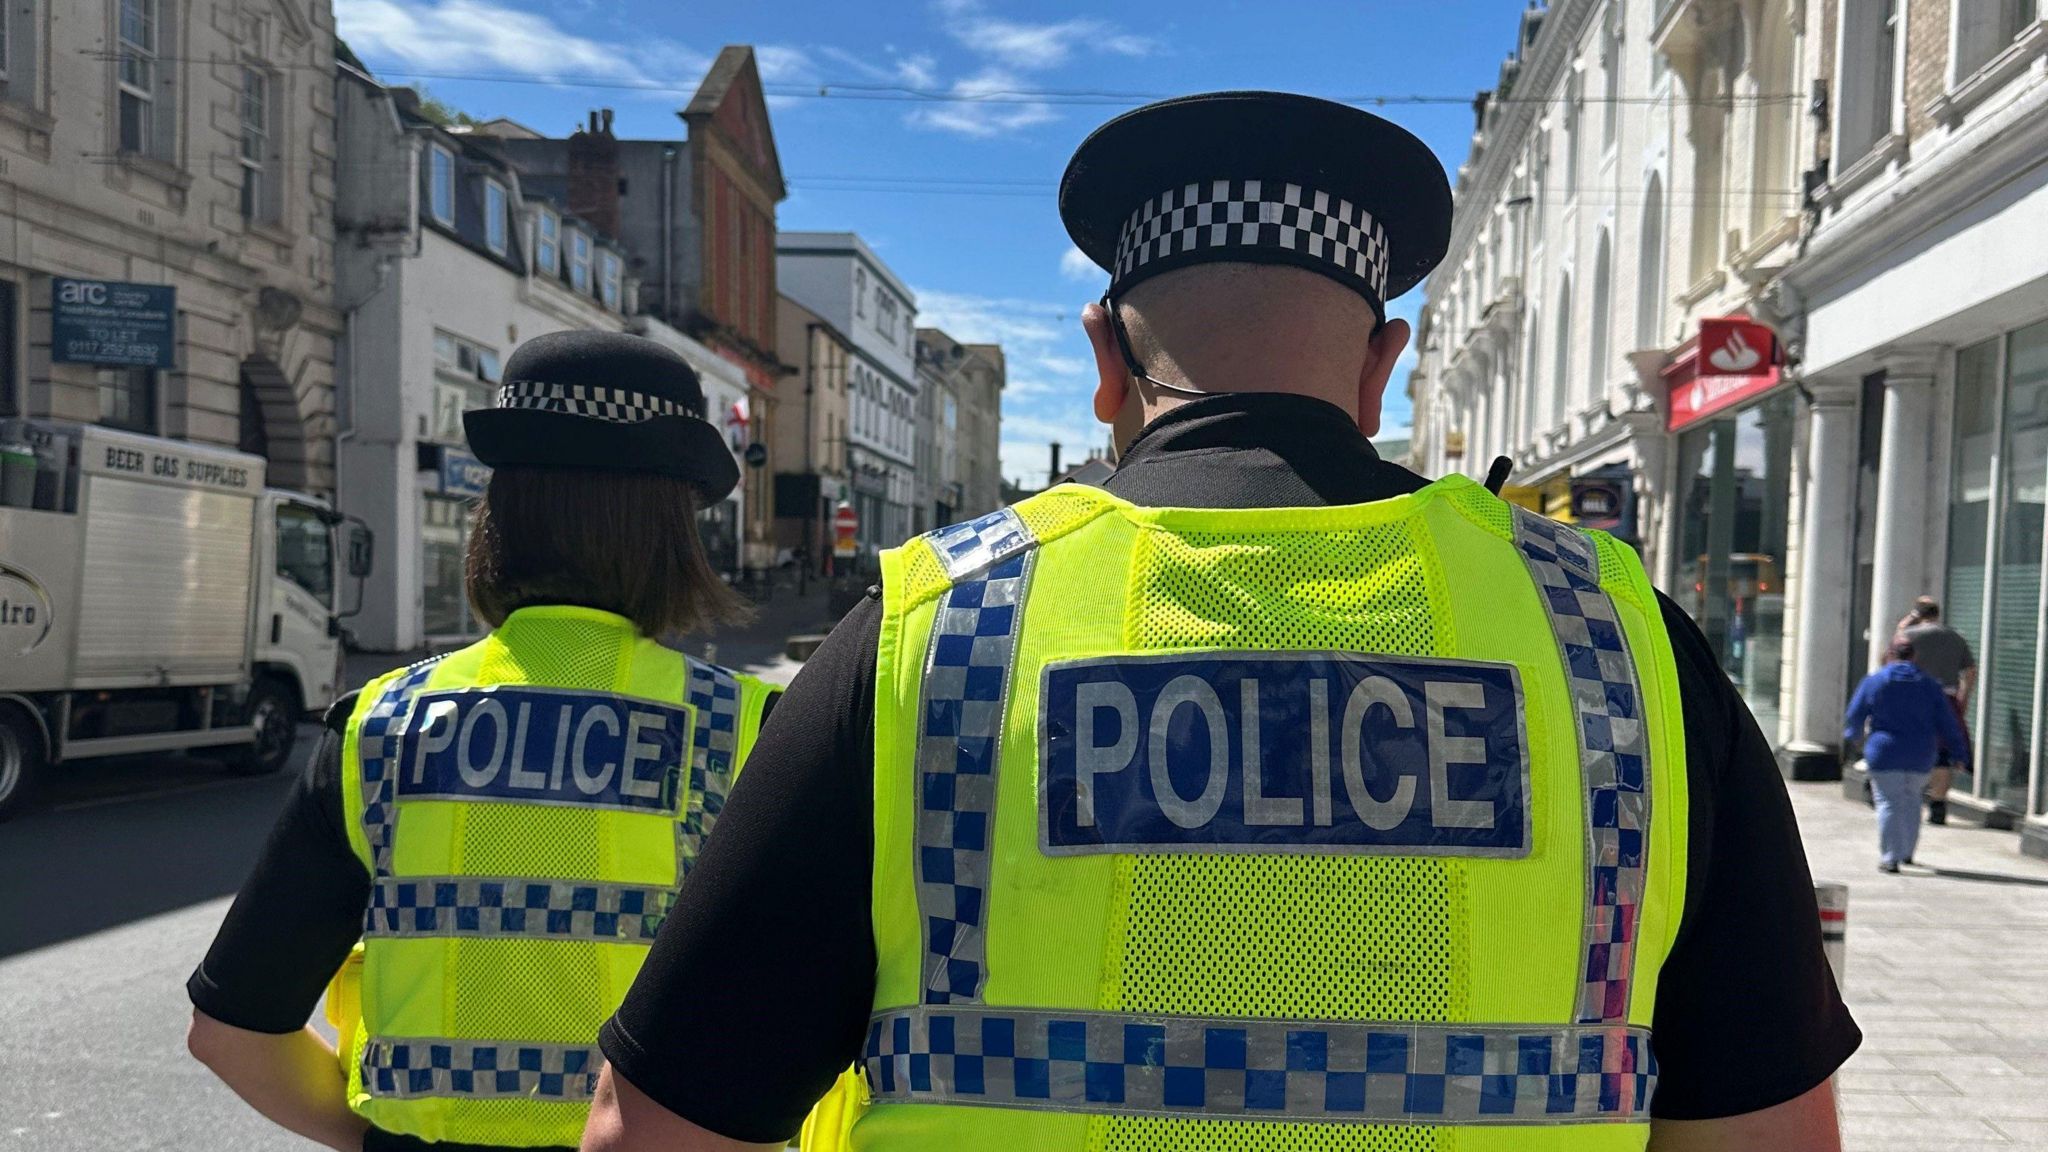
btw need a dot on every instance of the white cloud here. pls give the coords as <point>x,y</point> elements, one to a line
<point>1028,46</point>
<point>449,35</point>
<point>1075,265</point>
<point>1051,380</point>
<point>782,64</point>
<point>976,114</point>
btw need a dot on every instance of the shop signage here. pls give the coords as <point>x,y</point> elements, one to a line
<point>463,474</point>
<point>1733,360</point>
<point>110,322</point>
<point>1454,443</point>
<point>1598,502</point>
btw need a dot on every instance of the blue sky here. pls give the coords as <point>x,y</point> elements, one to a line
<point>956,195</point>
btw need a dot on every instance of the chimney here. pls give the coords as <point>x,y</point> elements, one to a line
<point>1055,473</point>
<point>594,173</point>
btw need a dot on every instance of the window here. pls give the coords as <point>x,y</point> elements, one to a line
<point>1610,68</point>
<point>494,217</point>
<point>255,153</point>
<point>128,399</point>
<point>885,312</point>
<point>1561,355</point>
<point>465,372</point>
<point>1866,69</point>
<point>608,279</point>
<point>441,184</point>
<point>6,39</point>
<point>860,292</point>
<point>579,260</point>
<point>1650,267</point>
<point>1539,172</point>
<point>305,552</point>
<point>136,76</point>
<point>547,244</point>
<point>1602,305</point>
<point>10,367</point>
<point>1983,29</point>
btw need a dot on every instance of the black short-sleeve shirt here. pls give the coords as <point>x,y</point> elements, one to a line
<point>776,917</point>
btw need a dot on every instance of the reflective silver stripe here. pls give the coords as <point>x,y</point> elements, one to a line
<point>446,906</point>
<point>414,1067</point>
<point>715,695</point>
<point>1239,1068</point>
<point>966,686</point>
<point>1614,754</point>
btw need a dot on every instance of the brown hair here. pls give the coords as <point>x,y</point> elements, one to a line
<point>624,542</point>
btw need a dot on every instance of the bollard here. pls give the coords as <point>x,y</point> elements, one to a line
<point>1833,899</point>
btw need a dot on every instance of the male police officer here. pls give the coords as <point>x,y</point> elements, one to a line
<point>1270,798</point>
<point>505,826</point>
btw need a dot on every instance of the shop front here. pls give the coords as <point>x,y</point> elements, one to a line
<point>1732,490</point>
<point>451,481</point>
<point>1994,595</point>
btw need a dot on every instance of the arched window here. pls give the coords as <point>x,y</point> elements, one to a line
<point>1771,196</point>
<point>1597,367</point>
<point>1573,105</point>
<point>1610,71</point>
<point>1650,267</point>
<point>1561,355</point>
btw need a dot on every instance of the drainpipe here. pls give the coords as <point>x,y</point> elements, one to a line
<point>668,250</point>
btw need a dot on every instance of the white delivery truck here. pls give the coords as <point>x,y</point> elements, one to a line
<point>155,597</point>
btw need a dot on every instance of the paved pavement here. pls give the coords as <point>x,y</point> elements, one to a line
<point>1948,976</point>
<point>111,893</point>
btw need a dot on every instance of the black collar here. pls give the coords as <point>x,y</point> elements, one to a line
<point>1256,450</point>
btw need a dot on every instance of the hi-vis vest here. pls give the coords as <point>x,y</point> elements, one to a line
<point>1315,828</point>
<point>527,808</point>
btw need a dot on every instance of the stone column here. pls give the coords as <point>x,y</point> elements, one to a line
<point>1899,560</point>
<point>1820,671</point>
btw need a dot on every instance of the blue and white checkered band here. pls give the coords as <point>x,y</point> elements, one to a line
<point>377,743</point>
<point>476,906</point>
<point>715,696</point>
<point>479,1069</point>
<point>1236,1068</point>
<point>617,405</point>
<point>966,684</point>
<point>1614,754</point>
<point>1219,215</point>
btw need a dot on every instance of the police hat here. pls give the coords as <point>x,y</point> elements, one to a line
<point>603,400</point>
<point>1259,177</point>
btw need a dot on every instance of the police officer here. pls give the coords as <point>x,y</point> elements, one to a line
<point>1269,796</point>
<point>504,827</point>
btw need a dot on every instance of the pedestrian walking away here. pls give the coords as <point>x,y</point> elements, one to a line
<point>485,843</point>
<point>1905,725</point>
<point>1269,795</point>
<point>1941,652</point>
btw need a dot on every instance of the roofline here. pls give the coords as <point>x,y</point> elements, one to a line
<point>854,246</point>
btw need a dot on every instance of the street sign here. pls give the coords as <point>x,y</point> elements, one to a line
<point>1597,502</point>
<point>463,474</point>
<point>845,530</point>
<point>757,454</point>
<point>114,323</point>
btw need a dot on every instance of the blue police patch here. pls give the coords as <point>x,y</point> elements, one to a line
<point>544,746</point>
<point>1267,752</point>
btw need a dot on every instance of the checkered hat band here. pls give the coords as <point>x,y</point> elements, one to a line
<point>411,1068</point>
<point>1237,1068</point>
<point>1250,215</point>
<point>617,405</point>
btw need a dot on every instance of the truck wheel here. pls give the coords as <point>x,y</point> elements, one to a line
<point>21,760</point>
<point>275,716</point>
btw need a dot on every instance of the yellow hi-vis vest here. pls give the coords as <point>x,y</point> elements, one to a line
<point>527,808</point>
<point>1309,828</point>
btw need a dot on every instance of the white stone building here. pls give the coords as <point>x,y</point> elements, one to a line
<point>158,143</point>
<point>445,264</point>
<point>836,276</point>
<point>959,429</point>
<point>1635,170</point>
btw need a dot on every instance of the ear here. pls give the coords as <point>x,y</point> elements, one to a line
<point>1382,351</point>
<point>1112,378</point>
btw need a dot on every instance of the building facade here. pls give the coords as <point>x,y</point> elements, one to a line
<point>811,448</point>
<point>728,402</point>
<point>1636,169</point>
<point>446,261</point>
<point>1923,336</point>
<point>837,277</point>
<point>959,429</point>
<point>695,219</point>
<point>180,147</point>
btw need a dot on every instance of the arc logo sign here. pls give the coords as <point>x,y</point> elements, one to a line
<point>1734,359</point>
<point>24,611</point>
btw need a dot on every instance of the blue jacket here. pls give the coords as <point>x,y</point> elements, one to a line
<point>1910,720</point>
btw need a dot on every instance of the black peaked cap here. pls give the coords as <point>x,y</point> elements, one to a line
<point>608,401</point>
<point>1259,177</point>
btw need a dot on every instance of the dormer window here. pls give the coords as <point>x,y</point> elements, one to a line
<point>547,243</point>
<point>441,185</point>
<point>579,260</point>
<point>609,275</point>
<point>495,223</point>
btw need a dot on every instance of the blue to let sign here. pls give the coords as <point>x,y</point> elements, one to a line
<point>463,474</point>
<point>110,322</point>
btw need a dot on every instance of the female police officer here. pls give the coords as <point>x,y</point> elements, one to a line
<point>505,826</point>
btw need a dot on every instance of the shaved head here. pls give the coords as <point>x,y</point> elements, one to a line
<point>1250,327</point>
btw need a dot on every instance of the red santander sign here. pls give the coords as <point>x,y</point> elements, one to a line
<point>1734,359</point>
